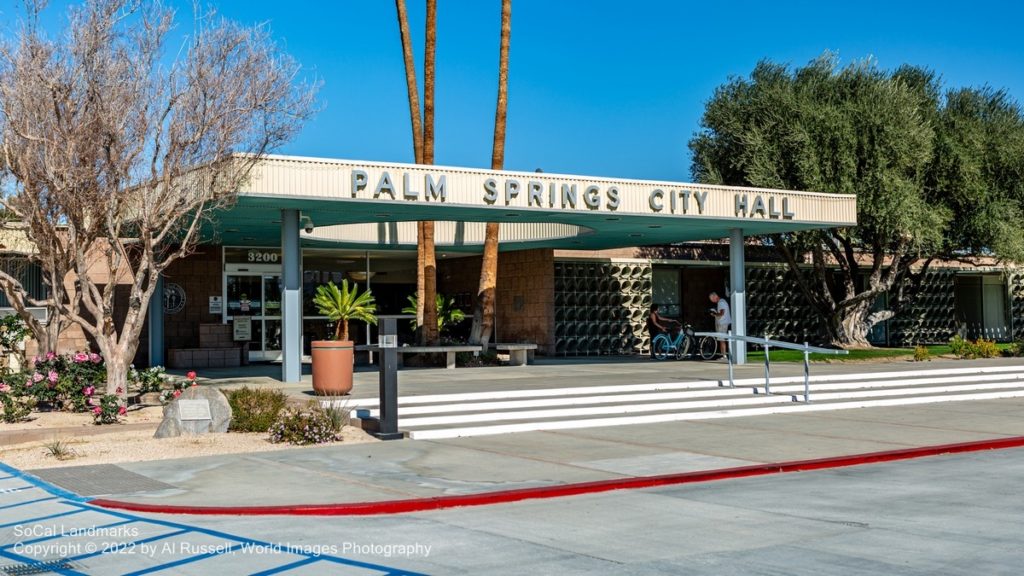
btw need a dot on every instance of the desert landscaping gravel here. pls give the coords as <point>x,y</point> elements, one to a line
<point>91,444</point>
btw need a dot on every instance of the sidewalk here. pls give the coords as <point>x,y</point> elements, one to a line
<point>409,469</point>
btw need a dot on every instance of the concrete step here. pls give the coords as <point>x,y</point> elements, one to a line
<point>368,403</point>
<point>456,432</point>
<point>405,410</point>
<point>690,405</point>
<point>504,411</point>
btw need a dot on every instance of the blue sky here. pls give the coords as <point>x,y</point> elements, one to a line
<point>597,87</point>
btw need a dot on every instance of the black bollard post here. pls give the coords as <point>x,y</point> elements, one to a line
<point>388,341</point>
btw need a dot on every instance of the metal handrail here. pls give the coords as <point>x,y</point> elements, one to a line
<point>767,344</point>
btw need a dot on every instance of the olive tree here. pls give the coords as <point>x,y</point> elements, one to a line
<point>117,150</point>
<point>935,176</point>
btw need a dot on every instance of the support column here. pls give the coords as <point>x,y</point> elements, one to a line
<point>156,324</point>
<point>738,301</point>
<point>291,298</point>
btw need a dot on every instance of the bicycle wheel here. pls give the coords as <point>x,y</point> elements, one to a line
<point>661,347</point>
<point>708,347</point>
<point>684,348</point>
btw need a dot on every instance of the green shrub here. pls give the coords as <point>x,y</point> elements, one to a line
<point>1016,349</point>
<point>60,449</point>
<point>336,408</point>
<point>15,403</point>
<point>12,333</point>
<point>255,409</point>
<point>921,354</point>
<point>982,348</point>
<point>109,410</point>
<point>301,426</point>
<point>150,379</point>
<point>958,346</point>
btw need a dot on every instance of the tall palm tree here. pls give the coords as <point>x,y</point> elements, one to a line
<point>430,333</point>
<point>483,314</point>
<point>423,151</point>
<point>410,81</point>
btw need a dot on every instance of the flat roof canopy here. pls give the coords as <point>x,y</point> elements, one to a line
<point>371,205</point>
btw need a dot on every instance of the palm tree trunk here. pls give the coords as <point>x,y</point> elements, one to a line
<point>483,316</point>
<point>410,81</point>
<point>421,284</point>
<point>423,150</point>
<point>430,334</point>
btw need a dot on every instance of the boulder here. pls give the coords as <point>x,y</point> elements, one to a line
<point>220,414</point>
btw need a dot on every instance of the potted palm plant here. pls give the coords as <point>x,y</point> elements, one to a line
<point>333,359</point>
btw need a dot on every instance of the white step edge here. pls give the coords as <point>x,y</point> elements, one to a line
<point>565,401</point>
<point>410,423</point>
<point>657,396</point>
<point>686,385</point>
<point>815,388</point>
<point>657,418</point>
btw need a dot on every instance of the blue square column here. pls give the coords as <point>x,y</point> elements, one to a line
<point>738,301</point>
<point>291,301</point>
<point>156,324</point>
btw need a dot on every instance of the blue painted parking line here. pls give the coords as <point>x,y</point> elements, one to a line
<point>138,542</point>
<point>27,564</point>
<point>387,570</point>
<point>186,560</point>
<point>40,483</point>
<point>63,534</point>
<point>286,567</point>
<point>41,518</point>
<point>79,505</point>
<point>13,490</point>
<point>27,502</point>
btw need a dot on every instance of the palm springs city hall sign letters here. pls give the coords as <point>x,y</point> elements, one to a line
<point>561,195</point>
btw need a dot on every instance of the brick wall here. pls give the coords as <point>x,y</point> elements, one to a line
<point>200,275</point>
<point>524,311</point>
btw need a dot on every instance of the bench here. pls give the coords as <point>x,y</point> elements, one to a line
<point>450,351</point>
<point>518,354</point>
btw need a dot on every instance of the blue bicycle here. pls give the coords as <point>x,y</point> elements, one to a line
<point>682,343</point>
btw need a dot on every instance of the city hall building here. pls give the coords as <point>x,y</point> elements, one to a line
<point>582,260</point>
<point>300,222</point>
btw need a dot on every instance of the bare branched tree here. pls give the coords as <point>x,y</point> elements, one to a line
<point>19,260</point>
<point>117,158</point>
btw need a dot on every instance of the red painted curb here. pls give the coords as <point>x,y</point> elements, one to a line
<point>560,490</point>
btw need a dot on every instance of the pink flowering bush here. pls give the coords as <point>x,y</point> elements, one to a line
<point>15,403</point>
<point>312,425</point>
<point>109,410</point>
<point>65,382</point>
<point>178,387</point>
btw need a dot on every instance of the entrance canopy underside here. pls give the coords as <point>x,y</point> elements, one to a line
<point>366,205</point>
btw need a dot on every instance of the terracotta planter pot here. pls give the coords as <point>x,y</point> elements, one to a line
<point>332,367</point>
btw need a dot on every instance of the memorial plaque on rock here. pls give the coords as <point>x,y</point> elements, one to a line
<point>199,410</point>
<point>194,410</point>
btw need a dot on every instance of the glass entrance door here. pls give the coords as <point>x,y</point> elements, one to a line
<point>257,295</point>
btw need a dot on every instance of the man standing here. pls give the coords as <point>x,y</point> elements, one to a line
<point>723,319</point>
